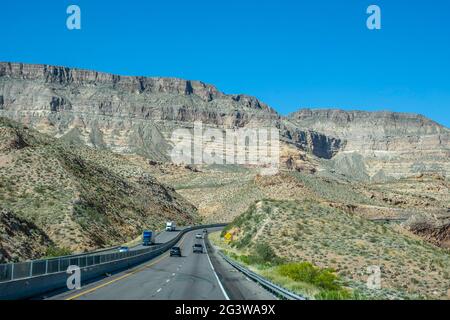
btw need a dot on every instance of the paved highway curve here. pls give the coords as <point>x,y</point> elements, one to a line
<point>162,237</point>
<point>192,277</point>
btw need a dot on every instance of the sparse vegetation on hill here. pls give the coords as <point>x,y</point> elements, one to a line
<point>80,197</point>
<point>20,239</point>
<point>224,192</point>
<point>327,237</point>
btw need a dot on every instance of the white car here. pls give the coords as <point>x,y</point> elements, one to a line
<point>198,236</point>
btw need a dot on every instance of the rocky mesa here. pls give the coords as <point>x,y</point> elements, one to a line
<point>137,115</point>
<point>134,114</point>
<point>381,145</point>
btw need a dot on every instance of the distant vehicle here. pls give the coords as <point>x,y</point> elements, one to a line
<point>175,251</point>
<point>124,249</point>
<point>205,230</point>
<point>198,236</point>
<point>197,248</point>
<point>148,238</point>
<point>171,226</point>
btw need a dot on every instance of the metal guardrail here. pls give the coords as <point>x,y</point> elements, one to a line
<point>35,278</point>
<point>28,269</point>
<point>277,290</point>
<point>23,270</point>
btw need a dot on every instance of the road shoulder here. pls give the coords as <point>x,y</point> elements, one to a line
<point>235,283</point>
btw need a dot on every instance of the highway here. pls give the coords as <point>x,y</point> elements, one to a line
<point>162,237</point>
<point>193,276</point>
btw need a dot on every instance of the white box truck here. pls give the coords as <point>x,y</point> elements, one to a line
<point>171,226</point>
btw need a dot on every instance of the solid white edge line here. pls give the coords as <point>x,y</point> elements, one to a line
<point>215,274</point>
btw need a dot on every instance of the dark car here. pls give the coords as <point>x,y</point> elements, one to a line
<point>205,230</point>
<point>197,248</point>
<point>175,251</point>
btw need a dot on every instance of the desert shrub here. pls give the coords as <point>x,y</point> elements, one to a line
<point>303,271</point>
<point>55,251</point>
<point>244,241</point>
<point>326,279</point>
<point>243,219</point>
<point>307,272</point>
<point>40,189</point>
<point>232,255</point>
<point>263,254</point>
<point>245,259</point>
<point>264,251</point>
<point>335,295</point>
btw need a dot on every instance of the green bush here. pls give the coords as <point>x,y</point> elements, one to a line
<point>54,251</point>
<point>303,271</point>
<point>263,254</point>
<point>245,259</point>
<point>306,272</point>
<point>232,255</point>
<point>334,295</point>
<point>243,242</point>
<point>327,280</point>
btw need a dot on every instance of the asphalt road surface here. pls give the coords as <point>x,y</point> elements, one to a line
<point>193,276</point>
<point>164,236</point>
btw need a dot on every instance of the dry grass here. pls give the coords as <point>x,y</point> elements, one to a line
<point>331,238</point>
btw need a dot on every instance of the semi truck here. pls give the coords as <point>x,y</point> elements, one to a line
<point>148,238</point>
<point>171,226</point>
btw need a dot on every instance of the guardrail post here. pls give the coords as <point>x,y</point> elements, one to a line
<point>31,269</point>
<point>46,266</point>
<point>12,271</point>
<point>59,264</point>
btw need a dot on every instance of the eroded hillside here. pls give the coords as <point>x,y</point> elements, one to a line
<point>79,197</point>
<point>329,237</point>
<point>420,204</point>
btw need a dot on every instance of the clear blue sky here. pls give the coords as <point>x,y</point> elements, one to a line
<point>290,54</point>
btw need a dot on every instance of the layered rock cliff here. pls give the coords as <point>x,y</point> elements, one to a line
<point>379,145</point>
<point>138,115</point>
<point>133,114</point>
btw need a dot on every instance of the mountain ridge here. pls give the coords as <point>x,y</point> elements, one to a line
<point>59,99</point>
<point>54,73</point>
<point>66,75</point>
<point>190,86</point>
<point>355,114</point>
<point>137,115</point>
